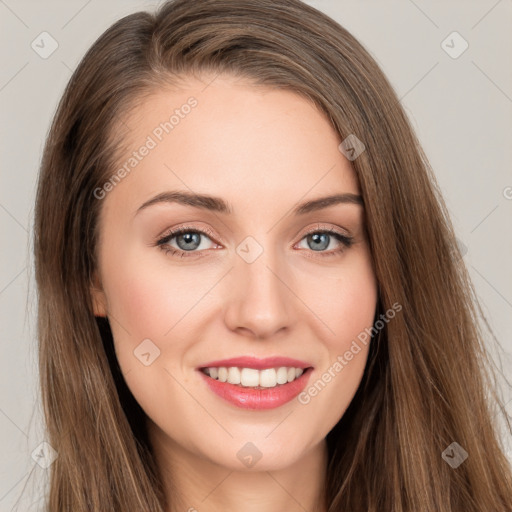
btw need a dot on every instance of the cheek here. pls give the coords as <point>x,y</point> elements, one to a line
<point>145,299</point>
<point>144,305</point>
<point>346,302</point>
<point>347,307</point>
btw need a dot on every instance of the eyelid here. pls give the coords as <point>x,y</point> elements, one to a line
<point>185,227</point>
<point>318,227</point>
<point>327,228</point>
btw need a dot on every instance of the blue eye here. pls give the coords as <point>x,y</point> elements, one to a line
<point>322,239</point>
<point>189,241</point>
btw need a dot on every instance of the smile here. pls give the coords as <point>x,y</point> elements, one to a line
<point>256,384</point>
<point>253,378</point>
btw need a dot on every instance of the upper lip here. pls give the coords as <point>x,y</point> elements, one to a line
<point>257,364</point>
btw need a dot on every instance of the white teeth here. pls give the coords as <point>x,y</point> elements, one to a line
<point>250,377</point>
<point>282,375</point>
<point>234,375</point>
<point>268,378</point>
<point>223,374</point>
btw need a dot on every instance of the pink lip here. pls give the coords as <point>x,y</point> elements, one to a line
<point>258,399</point>
<point>257,364</point>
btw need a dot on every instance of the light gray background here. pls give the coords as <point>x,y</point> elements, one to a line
<point>461,109</point>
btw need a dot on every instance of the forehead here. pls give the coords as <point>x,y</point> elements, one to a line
<point>226,137</point>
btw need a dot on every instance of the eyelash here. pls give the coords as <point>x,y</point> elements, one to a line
<point>346,241</point>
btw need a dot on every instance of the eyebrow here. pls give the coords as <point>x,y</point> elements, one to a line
<point>217,204</point>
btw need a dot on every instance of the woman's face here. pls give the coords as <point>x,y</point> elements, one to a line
<point>254,283</point>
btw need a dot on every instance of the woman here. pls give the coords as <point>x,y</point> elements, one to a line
<point>198,349</point>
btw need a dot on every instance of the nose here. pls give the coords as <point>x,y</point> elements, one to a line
<point>260,299</point>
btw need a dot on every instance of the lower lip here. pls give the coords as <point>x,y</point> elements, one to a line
<point>258,399</point>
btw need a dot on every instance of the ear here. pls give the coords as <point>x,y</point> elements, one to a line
<point>98,297</point>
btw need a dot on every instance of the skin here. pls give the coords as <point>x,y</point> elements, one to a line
<point>264,151</point>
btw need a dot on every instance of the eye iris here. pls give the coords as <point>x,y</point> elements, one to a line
<point>316,238</point>
<point>190,238</point>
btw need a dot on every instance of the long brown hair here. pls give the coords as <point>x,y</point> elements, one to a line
<point>428,382</point>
